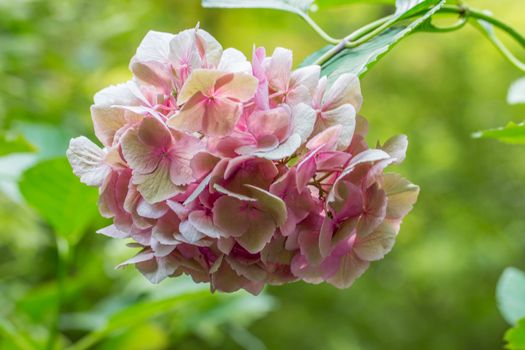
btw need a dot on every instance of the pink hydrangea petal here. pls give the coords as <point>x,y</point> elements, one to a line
<point>220,117</point>
<point>209,48</point>
<point>157,269</point>
<point>284,150</point>
<point>377,244</point>
<point>259,232</point>
<point>113,232</point>
<point>236,86</point>
<point>204,223</point>
<point>190,233</point>
<point>139,156</point>
<point>303,121</point>
<point>349,268</point>
<point>222,210</point>
<point>250,271</point>
<point>180,171</point>
<point>190,117</point>
<point>200,81</point>
<point>153,133</point>
<point>275,122</point>
<point>343,115</point>
<point>396,146</point>
<point>108,121</point>
<point>152,211</point>
<point>278,69</point>
<point>270,203</point>
<point>374,211</point>
<point>261,95</point>
<point>346,89</point>
<point>233,60</point>
<point>328,138</point>
<point>157,186</point>
<point>402,195</point>
<point>202,164</point>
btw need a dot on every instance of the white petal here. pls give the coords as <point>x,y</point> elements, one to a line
<point>303,121</point>
<point>396,146</point>
<point>346,89</point>
<point>284,150</point>
<point>154,47</point>
<point>113,232</point>
<point>233,60</point>
<point>517,92</point>
<point>87,161</point>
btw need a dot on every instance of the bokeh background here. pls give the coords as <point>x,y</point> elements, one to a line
<point>434,291</point>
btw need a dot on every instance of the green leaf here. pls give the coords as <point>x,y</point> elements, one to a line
<point>511,133</point>
<point>360,59</point>
<point>406,7</point>
<point>295,6</point>
<point>510,294</point>
<point>56,194</point>
<point>328,3</point>
<point>517,92</point>
<point>138,313</point>
<point>515,337</point>
<point>51,140</point>
<point>10,143</point>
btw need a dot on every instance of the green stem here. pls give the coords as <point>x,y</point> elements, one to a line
<point>375,32</point>
<point>369,31</point>
<point>367,28</point>
<point>500,46</point>
<point>458,25</point>
<point>62,261</point>
<point>472,13</point>
<point>318,29</point>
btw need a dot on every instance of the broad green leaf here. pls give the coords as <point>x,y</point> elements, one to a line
<point>51,140</point>
<point>510,294</point>
<point>138,313</point>
<point>295,6</point>
<point>10,143</point>
<point>517,92</point>
<point>511,133</point>
<point>48,140</point>
<point>515,337</point>
<point>56,194</point>
<point>360,59</point>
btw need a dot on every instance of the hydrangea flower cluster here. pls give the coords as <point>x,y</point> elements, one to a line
<point>240,173</point>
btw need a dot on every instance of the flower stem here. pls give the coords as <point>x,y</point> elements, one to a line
<point>371,30</point>
<point>62,246</point>
<point>500,46</point>
<point>325,36</point>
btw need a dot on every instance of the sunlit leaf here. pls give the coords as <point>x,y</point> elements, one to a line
<point>328,3</point>
<point>511,133</point>
<point>56,194</point>
<point>515,337</point>
<point>360,59</point>
<point>403,6</point>
<point>510,294</point>
<point>10,143</point>
<point>295,6</point>
<point>517,92</point>
<point>18,338</point>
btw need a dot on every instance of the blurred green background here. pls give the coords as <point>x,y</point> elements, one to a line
<point>434,291</point>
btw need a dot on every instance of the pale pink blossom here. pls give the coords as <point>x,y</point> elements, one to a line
<point>240,174</point>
